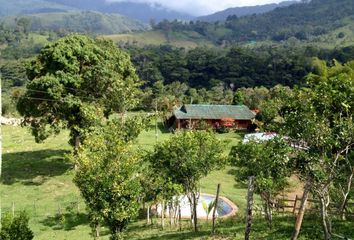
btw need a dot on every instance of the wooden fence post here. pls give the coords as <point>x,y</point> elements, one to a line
<point>249,207</point>
<point>302,209</point>
<point>215,206</point>
<point>13,209</point>
<point>295,203</point>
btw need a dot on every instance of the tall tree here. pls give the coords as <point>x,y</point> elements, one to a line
<point>74,83</point>
<point>318,119</point>
<point>109,175</point>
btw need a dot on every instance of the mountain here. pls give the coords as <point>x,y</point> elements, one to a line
<point>18,7</point>
<point>303,21</point>
<point>80,21</point>
<point>142,11</point>
<point>243,11</point>
<point>318,22</point>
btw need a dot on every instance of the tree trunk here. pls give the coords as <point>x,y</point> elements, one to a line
<point>324,215</point>
<point>215,207</point>
<point>97,232</point>
<point>267,217</point>
<point>249,208</point>
<point>148,221</point>
<point>77,145</point>
<point>195,217</point>
<point>163,215</point>
<point>270,214</point>
<point>171,214</point>
<point>301,213</point>
<point>345,196</point>
<point>179,217</point>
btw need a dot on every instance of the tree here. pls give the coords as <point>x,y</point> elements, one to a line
<point>109,175</point>
<point>15,228</point>
<point>187,157</point>
<point>318,119</point>
<point>269,163</point>
<point>74,83</point>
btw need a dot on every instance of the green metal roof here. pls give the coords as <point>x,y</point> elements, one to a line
<point>196,111</point>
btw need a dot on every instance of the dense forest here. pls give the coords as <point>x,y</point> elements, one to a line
<point>302,21</point>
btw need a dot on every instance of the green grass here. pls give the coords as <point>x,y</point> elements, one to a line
<point>185,39</point>
<point>38,178</point>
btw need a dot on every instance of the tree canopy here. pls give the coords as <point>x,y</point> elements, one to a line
<point>74,83</point>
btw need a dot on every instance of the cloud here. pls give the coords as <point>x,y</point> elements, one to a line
<point>201,7</point>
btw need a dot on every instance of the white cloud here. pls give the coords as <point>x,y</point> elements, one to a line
<point>202,7</point>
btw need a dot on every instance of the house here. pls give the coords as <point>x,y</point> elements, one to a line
<point>215,116</point>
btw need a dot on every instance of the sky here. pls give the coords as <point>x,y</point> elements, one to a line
<point>202,7</point>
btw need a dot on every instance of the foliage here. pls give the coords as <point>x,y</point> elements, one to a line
<point>15,228</point>
<point>187,157</point>
<point>208,68</point>
<point>269,163</point>
<point>318,120</point>
<point>108,177</point>
<point>301,21</point>
<point>74,83</point>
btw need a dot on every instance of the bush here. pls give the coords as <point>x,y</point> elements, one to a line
<point>15,228</point>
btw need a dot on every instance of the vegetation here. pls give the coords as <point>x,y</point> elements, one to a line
<point>184,159</point>
<point>62,92</point>
<point>108,178</point>
<point>15,227</point>
<point>80,22</point>
<point>318,120</point>
<point>269,163</point>
<point>81,85</point>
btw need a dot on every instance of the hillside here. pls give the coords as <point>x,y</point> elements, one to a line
<point>138,10</point>
<point>81,21</point>
<point>319,21</point>
<point>185,39</point>
<point>302,21</point>
<point>10,8</point>
<point>243,11</point>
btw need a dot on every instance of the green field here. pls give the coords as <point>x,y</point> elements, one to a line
<point>185,39</point>
<point>38,178</point>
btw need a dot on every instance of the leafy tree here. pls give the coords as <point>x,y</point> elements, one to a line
<point>74,83</point>
<point>108,175</point>
<point>15,228</point>
<point>269,163</point>
<point>187,157</point>
<point>319,120</point>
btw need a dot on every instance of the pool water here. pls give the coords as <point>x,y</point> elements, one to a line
<point>223,209</point>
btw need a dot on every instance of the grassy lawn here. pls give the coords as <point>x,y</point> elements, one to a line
<point>38,178</point>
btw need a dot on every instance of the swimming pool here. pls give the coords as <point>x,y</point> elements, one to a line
<point>224,209</point>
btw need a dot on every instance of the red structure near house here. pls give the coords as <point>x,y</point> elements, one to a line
<point>215,116</point>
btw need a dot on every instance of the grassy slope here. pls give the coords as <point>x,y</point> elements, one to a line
<point>37,178</point>
<point>178,39</point>
<point>190,39</point>
<point>16,7</point>
<point>81,21</point>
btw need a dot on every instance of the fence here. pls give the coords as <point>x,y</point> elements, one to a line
<point>293,205</point>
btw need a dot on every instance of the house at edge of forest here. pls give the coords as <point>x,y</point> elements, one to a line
<point>216,116</point>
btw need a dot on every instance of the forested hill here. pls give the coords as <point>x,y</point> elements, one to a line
<point>244,11</point>
<point>138,10</point>
<point>79,21</point>
<point>303,21</point>
<point>306,20</point>
<point>18,7</point>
